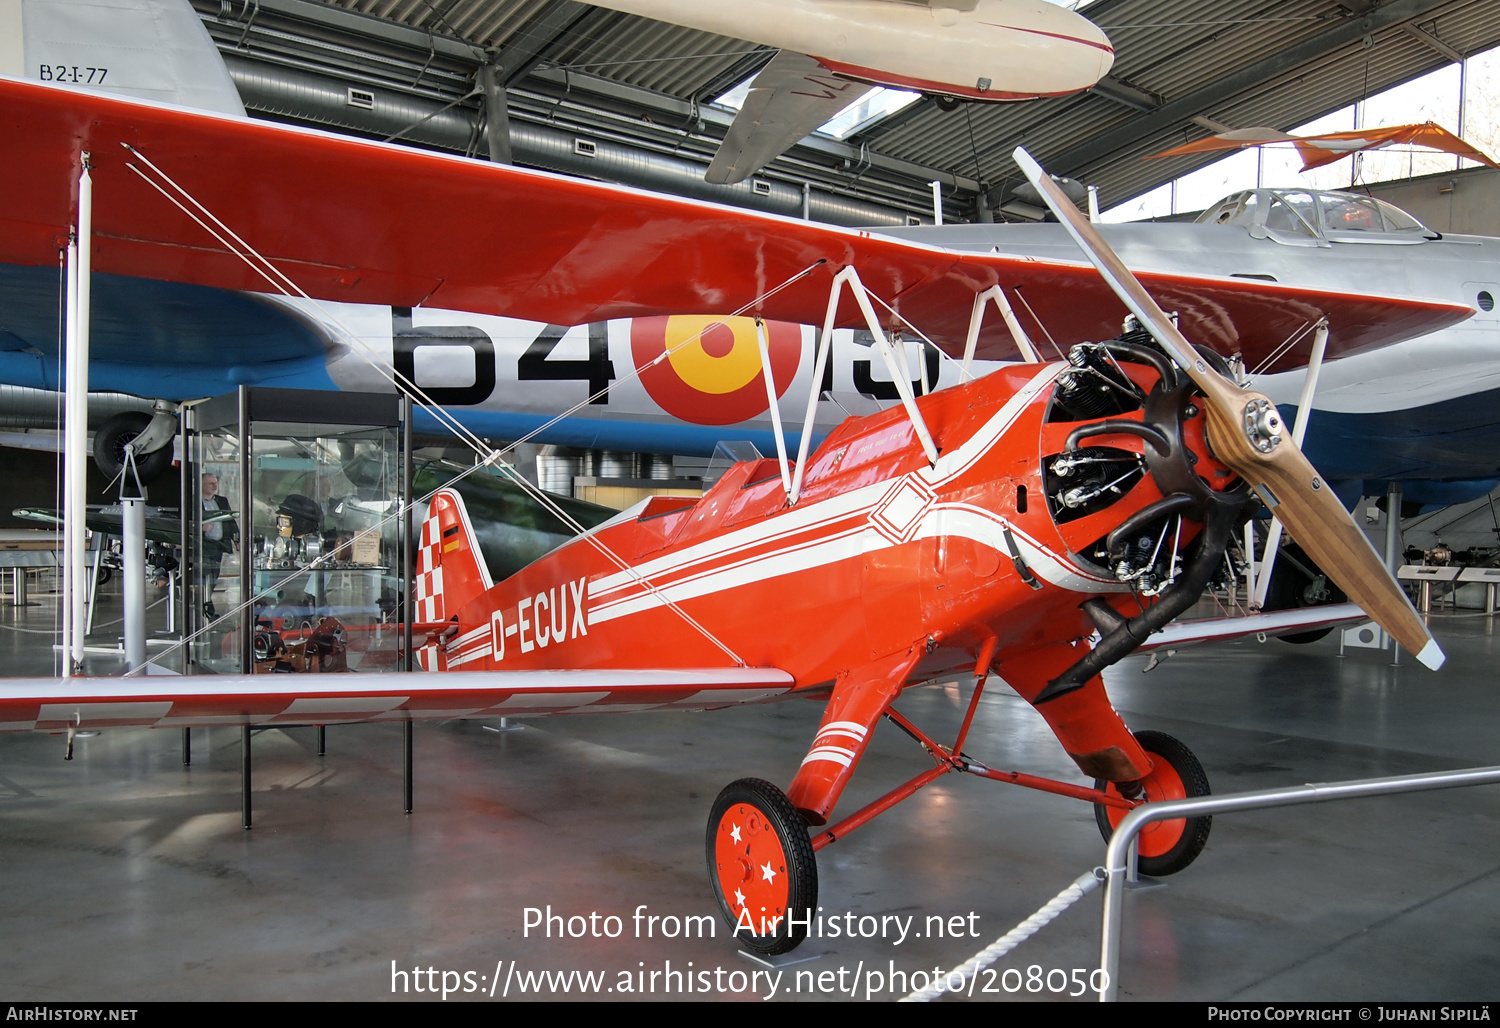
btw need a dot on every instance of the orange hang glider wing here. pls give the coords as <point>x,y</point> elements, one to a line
<point>1328,147</point>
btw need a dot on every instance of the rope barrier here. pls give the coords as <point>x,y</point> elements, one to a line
<point>1081,887</point>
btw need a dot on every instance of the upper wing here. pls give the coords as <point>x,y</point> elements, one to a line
<point>54,704</point>
<point>791,96</point>
<point>359,221</point>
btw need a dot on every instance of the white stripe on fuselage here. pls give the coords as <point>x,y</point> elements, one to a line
<point>708,567</point>
<point>859,502</point>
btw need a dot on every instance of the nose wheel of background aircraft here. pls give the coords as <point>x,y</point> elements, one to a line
<point>762,865</point>
<point>1166,847</point>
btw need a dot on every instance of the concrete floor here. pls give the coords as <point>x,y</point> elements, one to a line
<point>127,876</point>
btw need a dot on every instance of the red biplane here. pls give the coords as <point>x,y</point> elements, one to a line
<point>1039,523</point>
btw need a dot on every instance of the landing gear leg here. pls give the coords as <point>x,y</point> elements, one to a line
<point>761,863</point>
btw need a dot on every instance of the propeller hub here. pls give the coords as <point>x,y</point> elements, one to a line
<point>1263,425</point>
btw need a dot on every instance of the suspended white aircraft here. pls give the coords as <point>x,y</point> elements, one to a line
<point>833,52</point>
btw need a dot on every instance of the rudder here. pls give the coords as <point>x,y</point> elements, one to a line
<point>450,571</point>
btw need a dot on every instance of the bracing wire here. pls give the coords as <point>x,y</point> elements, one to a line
<point>279,281</point>
<point>1022,297</point>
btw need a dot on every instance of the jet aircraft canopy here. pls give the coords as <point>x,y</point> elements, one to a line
<point>1307,217</point>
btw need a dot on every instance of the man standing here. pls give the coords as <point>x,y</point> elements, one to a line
<point>219,538</point>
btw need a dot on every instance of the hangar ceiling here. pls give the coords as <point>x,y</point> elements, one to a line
<point>607,95</point>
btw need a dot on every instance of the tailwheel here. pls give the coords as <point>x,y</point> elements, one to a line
<point>1166,847</point>
<point>762,866</point>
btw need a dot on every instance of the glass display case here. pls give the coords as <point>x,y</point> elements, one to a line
<point>296,541</point>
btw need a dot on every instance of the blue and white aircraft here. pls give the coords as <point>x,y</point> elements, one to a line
<point>1424,413</point>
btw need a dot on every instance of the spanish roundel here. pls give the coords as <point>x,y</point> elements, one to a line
<point>712,372</point>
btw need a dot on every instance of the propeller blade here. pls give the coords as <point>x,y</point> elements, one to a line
<point>1246,433</point>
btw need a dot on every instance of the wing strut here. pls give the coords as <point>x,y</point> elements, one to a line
<point>76,422</point>
<point>1017,333</point>
<point>771,400</point>
<point>1262,580</point>
<point>849,277</point>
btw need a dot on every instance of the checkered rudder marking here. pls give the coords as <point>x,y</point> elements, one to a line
<point>429,570</point>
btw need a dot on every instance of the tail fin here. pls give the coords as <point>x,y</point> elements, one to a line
<point>450,570</point>
<point>155,50</point>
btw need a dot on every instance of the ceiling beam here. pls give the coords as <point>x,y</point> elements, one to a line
<point>1121,93</point>
<point>1074,161</point>
<point>355,23</point>
<point>1431,41</point>
<point>525,49</point>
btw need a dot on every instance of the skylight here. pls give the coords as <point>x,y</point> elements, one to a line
<point>868,109</point>
<point>735,98</point>
<point>863,112</point>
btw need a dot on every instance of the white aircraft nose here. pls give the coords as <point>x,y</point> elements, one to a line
<point>1044,48</point>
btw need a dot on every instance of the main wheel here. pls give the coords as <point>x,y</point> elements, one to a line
<point>116,434</point>
<point>1165,847</point>
<point>1292,587</point>
<point>762,866</point>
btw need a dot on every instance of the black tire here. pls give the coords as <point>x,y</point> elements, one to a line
<point>748,815</point>
<point>110,442</point>
<point>946,103</point>
<point>1287,588</point>
<point>1194,830</point>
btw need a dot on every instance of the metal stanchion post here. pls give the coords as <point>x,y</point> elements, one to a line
<point>245,776</point>
<point>406,763</point>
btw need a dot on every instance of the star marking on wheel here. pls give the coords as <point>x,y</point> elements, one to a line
<point>767,872</point>
<point>739,898</point>
<point>734,833</point>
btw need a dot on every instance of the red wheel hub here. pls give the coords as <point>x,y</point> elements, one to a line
<point>751,865</point>
<point>1163,783</point>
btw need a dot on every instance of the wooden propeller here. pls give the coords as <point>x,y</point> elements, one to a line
<point>1246,433</point>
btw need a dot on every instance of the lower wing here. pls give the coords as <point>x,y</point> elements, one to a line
<point>166,701</point>
<point>1278,622</point>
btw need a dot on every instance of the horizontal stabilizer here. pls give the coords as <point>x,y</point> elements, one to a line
<point>54,704</point>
